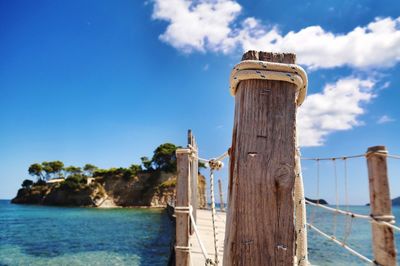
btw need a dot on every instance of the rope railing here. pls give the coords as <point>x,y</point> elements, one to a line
<point>333,158</point>
<point>214,164</point>
<point>226,154</point>
<point>387,220</point>
<point>393,156</point>
<point>196,231</point>
<point>217,159</point>
<point>359,216</point>
<point>342,244</point>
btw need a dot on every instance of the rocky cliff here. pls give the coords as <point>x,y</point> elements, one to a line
<point>150,189</point>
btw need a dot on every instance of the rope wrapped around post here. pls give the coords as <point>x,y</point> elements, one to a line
<point>262,85</point>
<point>254,69</point>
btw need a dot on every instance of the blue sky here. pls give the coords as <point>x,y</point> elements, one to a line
<point>105,82</point>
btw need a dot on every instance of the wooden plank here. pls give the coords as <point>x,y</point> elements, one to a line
<point>260,224</point>
<point>204,225</point>
<point>381,206</point>
<point>221,195</point>
<point>182,200</point>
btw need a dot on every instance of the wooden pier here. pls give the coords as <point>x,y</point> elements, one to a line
<point>204,225</point>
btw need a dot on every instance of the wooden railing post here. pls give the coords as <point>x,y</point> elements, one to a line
<point>381,206</point>
<point>260,227</point>
<point>182,254</point>
<point>194,164</point>
<point>221,196</point>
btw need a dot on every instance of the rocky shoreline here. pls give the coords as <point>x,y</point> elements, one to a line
<point>147,190</point>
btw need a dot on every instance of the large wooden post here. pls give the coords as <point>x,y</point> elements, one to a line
<point>182,255</point>
<point>260,226</point>
<point>221,196</point>
<point>381,206</point>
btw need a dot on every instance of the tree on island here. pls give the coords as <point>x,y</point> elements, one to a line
<point>72,170</point>
<point>135,168</point>
<point>27,183</point>
<point>53,169</point>
<point>146,163</point>
<point>36,169</point>
<point>46,170</point>
<point>164,157</point>
<point>89,169</point>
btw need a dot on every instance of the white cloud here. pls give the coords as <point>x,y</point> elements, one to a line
<point>213,25</point>
<point>203,25</point>
<point>336,108</point>
<point>374,45</point>
<point>385,119</point>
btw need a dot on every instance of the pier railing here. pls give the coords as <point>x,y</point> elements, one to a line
<point>187,198</point>
<point>382,221</point>
<point>266,219</point>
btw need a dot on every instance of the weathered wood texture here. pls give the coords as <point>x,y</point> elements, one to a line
<point>182,200</point>
<point>381,205</point>
<point>194,163</point>
<point>260,220</point>
<point>221,195</point>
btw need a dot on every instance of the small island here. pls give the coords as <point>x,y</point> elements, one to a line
<point>317,201</point>
<point>395,202</point>
<point>149,184</point>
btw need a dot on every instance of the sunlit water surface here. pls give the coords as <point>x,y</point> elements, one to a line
<point>39,235</point>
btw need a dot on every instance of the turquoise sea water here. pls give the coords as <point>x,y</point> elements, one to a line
<point>39,235</point>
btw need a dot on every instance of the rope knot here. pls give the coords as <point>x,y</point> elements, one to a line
<point>384,218</point>
<point>215,164</point>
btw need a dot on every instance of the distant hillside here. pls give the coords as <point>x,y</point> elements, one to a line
<point>320,201</point>
<point>396,201</point>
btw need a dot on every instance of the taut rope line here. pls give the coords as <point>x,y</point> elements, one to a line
<point>382,220</point>
<point>213,216</point>
<point>382,153</point>
<point>342,244</point>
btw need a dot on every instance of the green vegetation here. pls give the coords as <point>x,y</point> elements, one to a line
<point>72,170</point>
<point>163,159</point>
<point>74,182</point>
<point>168,183</point>
<point>27,183</point>
<point>36,170</point>
<point>46,170</point>
<point>88,185</point>
<point>89,169</point>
